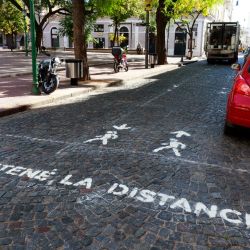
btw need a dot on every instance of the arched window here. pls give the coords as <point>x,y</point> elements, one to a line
<point>54,38</point>
<point>125,32</point>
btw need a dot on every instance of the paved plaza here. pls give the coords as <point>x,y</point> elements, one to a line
<point>135,164</point>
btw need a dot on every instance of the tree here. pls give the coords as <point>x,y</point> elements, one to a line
<point>187,13</point>
<point>91,12</point>
<point>78,34</point>
<point>52,8</point>
<point>164,14</point>
<point>11,21</point>
<point>79,14</point>
<point>120,10</point>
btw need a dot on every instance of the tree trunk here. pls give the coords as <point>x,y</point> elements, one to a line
<point>167,43</point>
<point>116,36</point>
<point>80,48</point>
<point>190,46</point>
<point>39,37</point>
<point>12,41</point>
<point>161,22</point>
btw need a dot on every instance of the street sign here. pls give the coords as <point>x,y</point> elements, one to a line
<point>148,5</point>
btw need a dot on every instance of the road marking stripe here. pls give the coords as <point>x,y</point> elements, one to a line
<point>117,150</point>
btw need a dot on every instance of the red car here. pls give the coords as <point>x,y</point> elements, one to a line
<point>238,104</point>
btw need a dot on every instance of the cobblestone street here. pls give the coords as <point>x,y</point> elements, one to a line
<point>139,166</point>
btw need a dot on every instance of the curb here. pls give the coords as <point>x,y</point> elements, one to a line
<point>23,108</point>
<point>92,65</point>
<point>50,99</point>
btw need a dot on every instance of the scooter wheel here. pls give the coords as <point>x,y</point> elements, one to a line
<point>51,86</point>
<point>116,68</point>
<point>126,68</point>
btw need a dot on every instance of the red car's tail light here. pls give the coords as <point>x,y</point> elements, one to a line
<point>241,87</point>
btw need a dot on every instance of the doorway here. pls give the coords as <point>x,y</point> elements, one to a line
<point>54,38</point>
<point>125,32</point>
<point>180,41</point>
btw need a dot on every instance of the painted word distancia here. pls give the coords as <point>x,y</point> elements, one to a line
<point>143,195</point>
<point>148,196</point>
<point>44,175</point>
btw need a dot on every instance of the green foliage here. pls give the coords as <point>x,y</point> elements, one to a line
<point>11,19</point>
<point>120,10</point>
<point>121,38</point>
<point>188,7</point>
<point>187,11</point>
<point>92,10</point>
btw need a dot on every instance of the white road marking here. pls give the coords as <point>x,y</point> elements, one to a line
<point>129,152</point>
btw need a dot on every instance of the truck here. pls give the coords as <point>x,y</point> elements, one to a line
<point>222,41</point>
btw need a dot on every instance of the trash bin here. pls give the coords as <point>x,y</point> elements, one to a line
<point>152,60</point>
<point>74,70</point>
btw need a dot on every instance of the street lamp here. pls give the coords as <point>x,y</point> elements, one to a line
<point>148,7</point>
<point>25,31</point>
<point>35,89</point>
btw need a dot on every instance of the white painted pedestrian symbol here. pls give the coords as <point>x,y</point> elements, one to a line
<point>179,134</point>
<point>174,144</point>
<point>122,127</point>
<point>110,135</point>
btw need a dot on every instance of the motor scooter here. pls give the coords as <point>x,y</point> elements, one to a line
<point>48,80</point>
<point>120,59</point>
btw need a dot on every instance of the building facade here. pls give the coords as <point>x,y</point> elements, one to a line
<point>241,13</point>
<point>133,31</point>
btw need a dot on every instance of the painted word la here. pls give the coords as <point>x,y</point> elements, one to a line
<point>110,135</point>
<point>44,175</point>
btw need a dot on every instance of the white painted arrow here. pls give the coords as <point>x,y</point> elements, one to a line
<point>121,127</point>
<point>179,134</point>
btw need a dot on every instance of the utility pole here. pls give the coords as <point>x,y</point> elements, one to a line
<point>147,39</point>
<point>25,30</point>
<point>35,89</point>
<point>148,7</point>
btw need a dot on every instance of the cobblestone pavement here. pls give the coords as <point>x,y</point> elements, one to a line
<point>128,168</point>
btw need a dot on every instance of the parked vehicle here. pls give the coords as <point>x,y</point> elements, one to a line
<point>238,104</point>
<point>246,54</point>
<point>222,41</point>
<point>120,59</point>
<point>48,79</point>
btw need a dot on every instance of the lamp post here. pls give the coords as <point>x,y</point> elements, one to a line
<point>148,7</point>
<point>35,89</point>
<point>147,39</point>
<point>25,31</point>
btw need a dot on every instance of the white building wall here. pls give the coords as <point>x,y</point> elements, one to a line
<point>47,35</point>
<point>198,37</point>
<point>137,32</point>
<point>241,13</point>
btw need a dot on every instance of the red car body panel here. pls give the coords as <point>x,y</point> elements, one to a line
<point>238,104</point>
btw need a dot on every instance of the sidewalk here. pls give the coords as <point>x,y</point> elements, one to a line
<point>16,79</point>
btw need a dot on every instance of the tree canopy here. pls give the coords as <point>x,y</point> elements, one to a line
<point>11,19</point>
<point>44,10</point>
<point>188,11</point>
<point>120,10</point>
